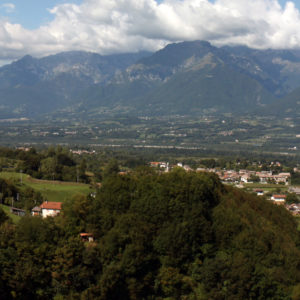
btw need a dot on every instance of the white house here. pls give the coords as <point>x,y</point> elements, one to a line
<point>259,192</point>
<point>279,199</point>
<point>50,209</point>
<point>245,178</point>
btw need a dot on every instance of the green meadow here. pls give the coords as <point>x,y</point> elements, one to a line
<point>50,190</point>
<point>267,187</point>
<point>6,209</point>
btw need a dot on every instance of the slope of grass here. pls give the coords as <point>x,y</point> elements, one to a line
<point>50,190</point>
<point>58,191</point>
<point>14,217</point>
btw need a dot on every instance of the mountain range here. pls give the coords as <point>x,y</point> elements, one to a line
<point>182,78</point>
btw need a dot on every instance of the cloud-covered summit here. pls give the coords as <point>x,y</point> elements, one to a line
<point>112,26</point>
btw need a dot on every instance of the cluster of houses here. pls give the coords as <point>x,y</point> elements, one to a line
<point>166,167</point>
<point>244,176</point>
<point>241,176</point>
<point>80,152</point>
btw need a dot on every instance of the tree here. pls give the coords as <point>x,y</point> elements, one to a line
<point>3,216</point>
<point>82,171</point>
<point>111,169</point>
<point>254,178</point>
<point>292,198</point>
<point>75,211</point>
<point>49,168</point>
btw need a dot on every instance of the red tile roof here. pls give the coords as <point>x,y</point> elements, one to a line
<point>51,205</point>
<point>279,196</point>
<point>86,234</point>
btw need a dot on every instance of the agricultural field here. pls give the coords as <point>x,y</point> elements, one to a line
<point>222,133</point>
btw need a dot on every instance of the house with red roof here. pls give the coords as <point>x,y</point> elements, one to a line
<point>50,209</point>
<point>278,199</point>
<point>87,237</point>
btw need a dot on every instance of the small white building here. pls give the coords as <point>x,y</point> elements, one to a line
<point>278,199</point>
<point>259,192</point>
<point>50,209</point>
<point>87,237</point>
<point>245,178</point>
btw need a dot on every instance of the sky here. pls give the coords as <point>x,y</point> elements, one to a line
<point>44,27</point>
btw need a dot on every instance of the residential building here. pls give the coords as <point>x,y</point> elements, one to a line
<point>278,199</point>
<point>50,209</point>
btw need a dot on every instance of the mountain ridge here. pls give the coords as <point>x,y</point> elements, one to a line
<point>182,78</point>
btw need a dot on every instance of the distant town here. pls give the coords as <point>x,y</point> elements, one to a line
<point>242,177</point>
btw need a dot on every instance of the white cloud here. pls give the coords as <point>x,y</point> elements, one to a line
<point>110,26</point>
<point>8,7</point>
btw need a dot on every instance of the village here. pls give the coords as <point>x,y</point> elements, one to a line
<point>249,180</point>
<point>232,176</point>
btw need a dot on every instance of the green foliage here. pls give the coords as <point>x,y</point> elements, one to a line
<point>292,198</point>
<point>254,178</point>
<point>75,213</point>
<point>112,168</point>
<point>295,178</point>
<point>176,235</point>
<point>3,216</point>
<point>53,164</point>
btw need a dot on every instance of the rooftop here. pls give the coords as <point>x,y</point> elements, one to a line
<point>51,205</point>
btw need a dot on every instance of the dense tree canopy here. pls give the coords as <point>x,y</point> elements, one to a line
<point>177,235</point>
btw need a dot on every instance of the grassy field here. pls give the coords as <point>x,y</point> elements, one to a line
<point>50,190</point>
<point>266,187</point>
<point>14,218</point>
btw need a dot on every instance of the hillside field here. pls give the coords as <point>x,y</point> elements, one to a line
<point>50,190</point>
<point>14,218</point>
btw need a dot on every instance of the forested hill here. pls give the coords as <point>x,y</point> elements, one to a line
<point>177,235</point>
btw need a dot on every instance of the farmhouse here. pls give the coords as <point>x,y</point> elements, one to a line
<point>50,209</point>
<point>18,211</point>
